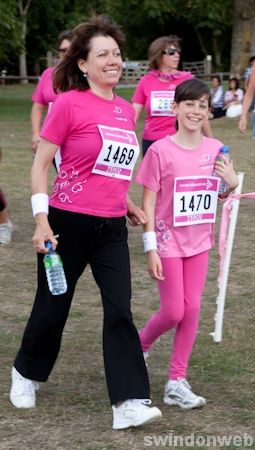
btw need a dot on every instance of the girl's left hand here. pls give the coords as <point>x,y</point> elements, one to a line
<point>224,169</point>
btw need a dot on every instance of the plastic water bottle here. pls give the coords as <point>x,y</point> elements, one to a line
<point>54,271</point>
<point>223,186</point>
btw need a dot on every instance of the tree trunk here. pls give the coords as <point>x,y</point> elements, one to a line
<point>252,53</point>
<point>243,36</point>
<point>23,54</point>
<point>216,53</point>
<point>23,10</point>
<point>201,42</point>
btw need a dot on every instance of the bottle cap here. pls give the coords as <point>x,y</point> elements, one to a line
<point>224,149</point>
<point>48,244</point>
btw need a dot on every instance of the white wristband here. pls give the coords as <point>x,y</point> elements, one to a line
<point>40,203</point>
<point>149,241</point>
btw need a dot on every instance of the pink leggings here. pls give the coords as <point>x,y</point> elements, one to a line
<point>180,298</point>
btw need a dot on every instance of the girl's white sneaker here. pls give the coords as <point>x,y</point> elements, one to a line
<point>178,392</point>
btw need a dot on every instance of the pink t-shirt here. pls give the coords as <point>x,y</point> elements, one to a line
<point>157,97</point>
<point>163,162</point>
<point>43,92</point>
<point>72,124</point>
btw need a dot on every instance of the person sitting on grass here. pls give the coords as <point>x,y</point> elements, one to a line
<point>217,98</point>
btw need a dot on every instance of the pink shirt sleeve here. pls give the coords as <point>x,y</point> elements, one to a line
<point>139,95</point>
<point>148,174</point>
<point>44,93</point>
<point>58,123</point>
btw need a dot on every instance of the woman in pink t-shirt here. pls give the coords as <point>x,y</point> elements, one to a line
<point>95,130</point>
<point>155,91</point>
<point>44,95</point>
<point>180,201</point>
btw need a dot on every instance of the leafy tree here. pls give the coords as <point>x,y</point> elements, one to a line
<point>9,31</point>
<point>144,20</point>
<point>204,25</point>
<point>47,18</point>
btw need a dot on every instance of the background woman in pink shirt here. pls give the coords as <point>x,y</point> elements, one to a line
<point>44,95</point>
<point>179,231</point>
<point>95,130</point>
<point>155,91</point>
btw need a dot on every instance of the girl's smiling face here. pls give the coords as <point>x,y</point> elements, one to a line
<point>191,113</point>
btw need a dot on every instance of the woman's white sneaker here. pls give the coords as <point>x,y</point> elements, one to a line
<point>178,392</point>
<point>22,394</point>
<point>133,413</point>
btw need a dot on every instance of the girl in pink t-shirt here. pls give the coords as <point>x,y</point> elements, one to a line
<point>180,199</point>
<point>155,91</point>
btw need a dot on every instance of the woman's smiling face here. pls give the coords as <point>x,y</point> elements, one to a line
<point>103,65</point>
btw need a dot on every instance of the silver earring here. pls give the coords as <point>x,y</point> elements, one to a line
<point>85,74</point>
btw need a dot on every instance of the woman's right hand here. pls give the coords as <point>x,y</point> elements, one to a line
<point>155,266</point>
<point>34,142</point>
<point>43,232</point>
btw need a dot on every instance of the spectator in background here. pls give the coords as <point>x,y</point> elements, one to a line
<point>217,98</point>
<point>44,95</point>
<point>155,90</point>
<point>233,99</point>
<point>6,226</point>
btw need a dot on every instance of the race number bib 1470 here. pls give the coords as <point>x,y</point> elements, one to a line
<point>118,154</point>
<point>195,200</point>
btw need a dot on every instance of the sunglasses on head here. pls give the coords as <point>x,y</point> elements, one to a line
<point>171,51</point>
<point>62,50</point>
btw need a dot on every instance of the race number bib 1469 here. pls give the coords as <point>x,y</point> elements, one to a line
<point>195,200</point>
<point>118,154</point>
<point>161,103</point>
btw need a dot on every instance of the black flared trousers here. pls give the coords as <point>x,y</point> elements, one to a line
<point>101,243</point>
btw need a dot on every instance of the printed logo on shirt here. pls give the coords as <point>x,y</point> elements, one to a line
<point>205,161</point>
<point>117,110</point>
<point>68,185</point>
<point>163,234</point>
<point>205,158</point>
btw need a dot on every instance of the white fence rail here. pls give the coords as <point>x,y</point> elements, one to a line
<point>132,71</point>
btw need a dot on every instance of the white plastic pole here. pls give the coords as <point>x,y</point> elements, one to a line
<point>220,301</point>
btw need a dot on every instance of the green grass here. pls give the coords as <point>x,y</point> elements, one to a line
<point>73,411</point>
